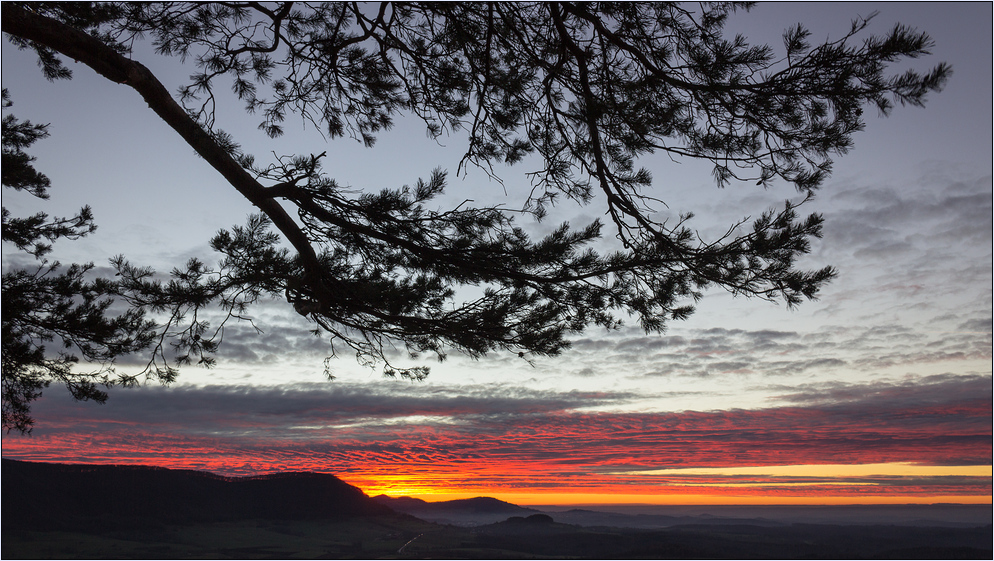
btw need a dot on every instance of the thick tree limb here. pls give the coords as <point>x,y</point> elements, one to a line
<point>115,67</point>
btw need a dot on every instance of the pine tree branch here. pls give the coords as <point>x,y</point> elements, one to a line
<point>115,67</point>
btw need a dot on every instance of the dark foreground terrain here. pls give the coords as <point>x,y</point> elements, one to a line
<point>91,512</point>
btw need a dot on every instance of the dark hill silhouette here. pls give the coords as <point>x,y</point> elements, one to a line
<point>533,520</point>
<point>402,503</point>
<point>484,505</point>
<point>472,512</point>
<point>64,496</point>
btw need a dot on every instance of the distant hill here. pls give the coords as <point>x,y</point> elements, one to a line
<point>46,496</point>
<point>461,512</point>
<point>485,510</point>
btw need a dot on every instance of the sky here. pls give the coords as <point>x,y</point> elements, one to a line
<point>878,392</point>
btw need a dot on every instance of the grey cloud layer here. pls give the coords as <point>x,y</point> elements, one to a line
<point>204,409</point>
<point>912,392</point>
<point>718,351</point>
<point>916,242</point>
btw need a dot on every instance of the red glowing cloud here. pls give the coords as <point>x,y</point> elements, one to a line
<point>539,443</point>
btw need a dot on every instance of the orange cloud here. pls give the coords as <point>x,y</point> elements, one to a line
<point>918,450</point>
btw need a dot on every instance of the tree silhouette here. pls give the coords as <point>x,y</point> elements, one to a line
<point>47,301</point>
<point>585,88</point>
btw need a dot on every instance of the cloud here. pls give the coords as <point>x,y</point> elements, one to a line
<point>978,325</point>
<point>923,240</point>
<point>870,350</point>
<point>912,392</point>
<point>213,409</point>
<point>956,342</point>
<point>942,207</point>
<point>505,437</point>
<point>278,336</point>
